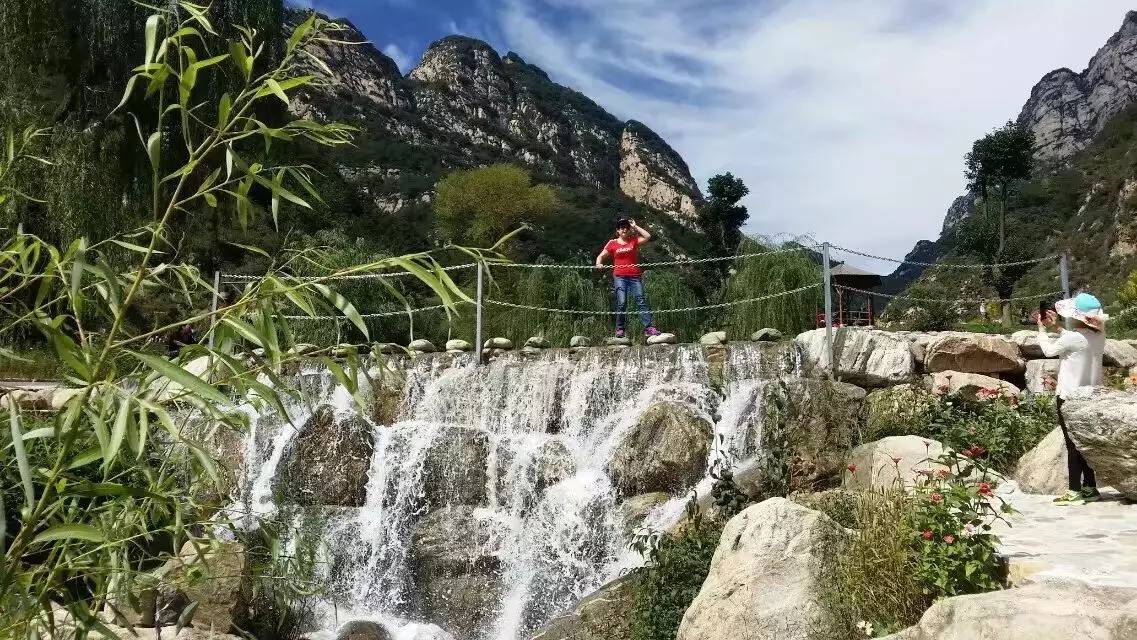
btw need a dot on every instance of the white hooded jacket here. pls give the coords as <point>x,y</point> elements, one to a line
<point>1080,351</point>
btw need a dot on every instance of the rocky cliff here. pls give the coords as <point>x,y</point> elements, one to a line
<point>464,105</point>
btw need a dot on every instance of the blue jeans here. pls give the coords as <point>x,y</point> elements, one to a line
<point>635,286</point>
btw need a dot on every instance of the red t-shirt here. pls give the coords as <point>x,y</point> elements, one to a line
<point>625,256</point>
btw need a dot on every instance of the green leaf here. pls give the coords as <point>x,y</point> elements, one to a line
<point>70,532</point>
<point>300,31</point>
<point>126,93</point>
<point>151,36</point>
<point>210,199</point>
<point>118,432</point>
<point>345,307</point>
<point>85,458</point>
<point>244,329</point>
<point>22,463</point>
<point>241,59</point>
<point>187,380</point>
<point>209,62</point>
<point>279,189</point>
<point>223,110</point>
<point>276,89</point>
<point>154,149</point>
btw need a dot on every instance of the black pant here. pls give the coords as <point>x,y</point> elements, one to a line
<point>1076,466</point>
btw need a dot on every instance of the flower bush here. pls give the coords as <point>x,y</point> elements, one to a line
<point>952,512</point>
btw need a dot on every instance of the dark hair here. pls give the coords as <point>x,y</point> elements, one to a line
<point>623,223</point>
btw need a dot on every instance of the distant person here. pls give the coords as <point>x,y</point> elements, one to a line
<point>1080,349</point>
<point>627,277</point>
<point>983,311</point>
<point>179,339</point>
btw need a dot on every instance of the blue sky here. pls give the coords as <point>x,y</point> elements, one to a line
<point>848,119</point>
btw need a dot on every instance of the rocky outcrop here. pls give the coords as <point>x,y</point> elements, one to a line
<point>634,509</point>
<point>534,468</point>
<point>892,462</point>
<point>973,353</point>
<point>862,357</point>
<point>327,461</point>
<point>605,614</point>
<point>1119,353</point>
<point>818,422</point>
<point>457,574</point>
<point>1043,468</point>
<point>1046,611</point>
<point>765,575</point>
<point>1028,343</point>
<point>653,174</point>
<point>363,630</point>
<point>1103,425</point>
<point>666,450</point>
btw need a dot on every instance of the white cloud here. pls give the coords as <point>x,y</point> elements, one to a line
<point>848,120</point>
<point>401,58</point>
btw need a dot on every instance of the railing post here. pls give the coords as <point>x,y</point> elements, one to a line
<point>213,307</point>
<point>828,305</point>
<point>478,315</point>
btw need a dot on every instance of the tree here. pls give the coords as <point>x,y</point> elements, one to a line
<point>481,205</point>
<point>721,218</point>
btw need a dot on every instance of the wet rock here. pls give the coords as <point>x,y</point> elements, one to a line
<point>666,450</point>
<point>422,345</point>
<point>766,335</point>
<point>454,470</point>
<point>636,508</point>
<point>888,463</point>
<point>618,342</point>
<point>1043,468</point>
<point>663,338</point>
<point>458,345</point>
<point>537,342</point>
<point>456,571</point>
<point>1042,375</point>
<point>973,353</point>
<point>1119,353</point>
<point>389,349</point>
<point>766,576</point>
<point>212,577</point>
<point>31,399</point>
<point>864,357</point>
<point>1103,424</point>
<point>499,343</point>
<point>713,338</point>
<point>327,462</point>
<point>524,471</point>
<point>363,630</point>
<point>605,614</point>
<point>959,384</point>
<point>580,341</point>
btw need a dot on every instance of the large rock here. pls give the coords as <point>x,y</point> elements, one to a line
<point>1027,341</point>
<point>456,344</point>
<point>1119,353</point>
<point>636,508</point>
<point>363,630</point>
<point>864,357</point>
<point>713,338</point>
<point>580,341</point>
<point>605,614</point>
<point>973,353</point>
<point>422,345</point>
<point>537,342</point>
<point>666,450</point>
<point>766,335</point>
<point>891,462</point>
<point>454,471</point>
<point>958,383</point>
<point>663,338</point>
<point>1042,375</point>
<point>764,580</point>
<point>456,571</point>
<point>1043,468</point>
<point>1103,425</point>
<point>327,462</point>
<point>525,471</point>
<point>818,422</point>
<point>498,343</point>
<point>1042,611</point>
<point>213,577</point>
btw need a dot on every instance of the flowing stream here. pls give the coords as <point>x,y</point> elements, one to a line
<point>488,508</point>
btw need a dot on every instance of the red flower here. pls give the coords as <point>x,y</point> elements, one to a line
<point>925,472</point>
<point>987,393</point>
<point>927,535</point>
<point>895,460</point>
<point>937,498</point>
<point>974,452</point>
<point>984,488</point>
<point>942,474</point>
<point>948,539</point>
<point>852,469</point>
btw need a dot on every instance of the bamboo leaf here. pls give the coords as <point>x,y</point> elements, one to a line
<point>187,380</point>
<point>241,59</point>
<point>223,110</point>
<point>22,464</point>
<point>85,458</point>
<point>300,31</point>
<point>80,259</point>
<point>246,330</point>
<point>345,307</point>
<point>118,432</point>
<point>210,199</point>
<point>279,189</point>
<point>209,62</point>
<point>276,89</point>
<point>72,531</point>
<point>151,36</point>
<point>126,93</point>
<point>154,149</point>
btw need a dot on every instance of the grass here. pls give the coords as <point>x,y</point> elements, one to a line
<point>34,363</point>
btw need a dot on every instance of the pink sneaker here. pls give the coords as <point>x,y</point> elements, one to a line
<point>651,331</point>
<point>619,333</point>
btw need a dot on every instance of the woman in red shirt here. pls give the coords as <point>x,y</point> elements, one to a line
<point>626,274</point>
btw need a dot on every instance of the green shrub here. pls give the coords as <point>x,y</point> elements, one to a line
<point>675,571</point>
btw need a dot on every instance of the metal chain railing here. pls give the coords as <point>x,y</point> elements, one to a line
<point>233,278</point>
<point>949,265</point>
<point>512,305</point>
<point>383,314</point>
<point>664,263</point>
<point>897,296</point>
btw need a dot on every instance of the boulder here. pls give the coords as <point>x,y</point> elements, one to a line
<point>454,470</point>
<point>60,397</point>
<point>663,338</point>
<point>499,343</point>
<point>422,345</point>
<point>973,353</point>
<point>666,450</point>
<point>819,421</point>
<point>580,341</point>
<point>1027,341</point>
<point>605,614</point>
<point>327,461</point>
<point>958,383</point>
<point>766,574</point>
<point>1119,353</point>
<point>1103,425</point>
<point>635,509</point>
<point>618,342</point>
<point>1042,375</point>
<point>713,338</point>
<point>388,349</point>
<point>537,342</point>
<point>212,577</point>
<point>864,357</point>
<point>1043,468</point>
<point>458,345</point>
<point>766,335</point>
<point>524,471</point>
<point>32,399</point>
<point>456,571</point>
<point>1041,611</point>
<point>892,410</point>
<point>891,461</point>
<point>363,630</point>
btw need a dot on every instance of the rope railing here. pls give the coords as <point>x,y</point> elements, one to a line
<point>721,305</point>
<point>949,265</point>
<point>897,296</point>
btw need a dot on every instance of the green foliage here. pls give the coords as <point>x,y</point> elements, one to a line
<point>481,205</point>
<point>675,570</point>
<point>756,277</point>
<point>721,217</point>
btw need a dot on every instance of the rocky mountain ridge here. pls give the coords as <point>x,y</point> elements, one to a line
<point>464,105</point>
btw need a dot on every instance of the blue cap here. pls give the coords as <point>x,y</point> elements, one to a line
<point>1086,303</point>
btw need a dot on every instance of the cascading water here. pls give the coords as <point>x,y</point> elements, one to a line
<point>489,508</point>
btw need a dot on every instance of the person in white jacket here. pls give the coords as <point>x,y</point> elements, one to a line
<point>1080,351</point>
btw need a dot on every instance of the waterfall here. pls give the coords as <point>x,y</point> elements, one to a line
<point>488,505</point>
